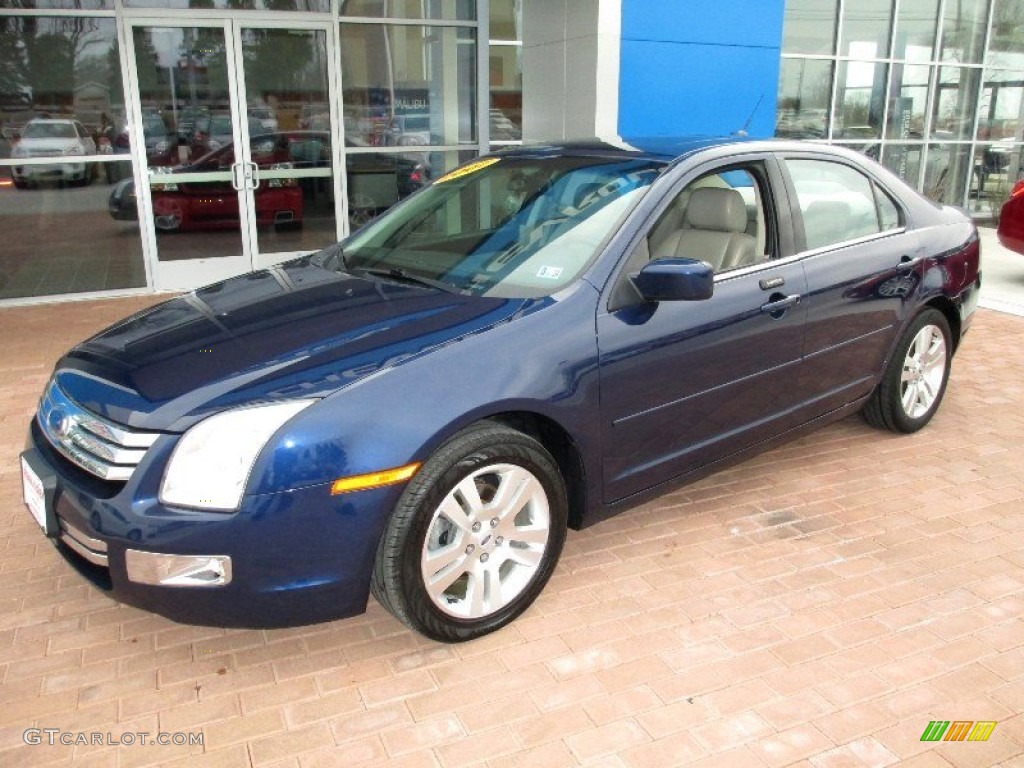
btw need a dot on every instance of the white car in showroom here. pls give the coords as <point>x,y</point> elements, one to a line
<point>56,138</point>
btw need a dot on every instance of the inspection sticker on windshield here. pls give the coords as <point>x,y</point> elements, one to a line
<point>549,273</point>
<point>465,170</point>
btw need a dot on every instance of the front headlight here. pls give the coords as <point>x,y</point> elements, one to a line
<point>212,461</point>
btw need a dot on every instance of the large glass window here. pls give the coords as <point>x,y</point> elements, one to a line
<point>865,29</point>
<point>940,101</point>
<point>916,25</point>
<point>408,85</point>
<point>455,10</point>
<point>68,5</point>
<point>60,237</point>
<point>810,26</point>
<point>955,103</point>
<point>309,6</point>
<point>905,161</point>
<point>805,89</point>
<point>1006,45</point>
<point>60,90</point>
<point>948,169</point>
<point>860,99</point>
<point>963,31</point>
<point>64,68</point>
<point>1001,109</point>
<point>908,101</point>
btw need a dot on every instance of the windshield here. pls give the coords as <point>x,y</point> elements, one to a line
<point>509,227</point>
<point>49,131</point>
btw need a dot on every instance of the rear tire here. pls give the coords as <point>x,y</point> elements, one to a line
<point>915,379</point>
<point>474,537</point>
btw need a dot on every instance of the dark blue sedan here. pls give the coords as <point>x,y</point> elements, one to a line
<point>539,340</point>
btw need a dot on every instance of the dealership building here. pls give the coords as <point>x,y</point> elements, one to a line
<point>164,144</point>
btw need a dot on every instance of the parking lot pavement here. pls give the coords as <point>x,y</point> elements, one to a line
<point>1002,285</point>
<point>819,606</point>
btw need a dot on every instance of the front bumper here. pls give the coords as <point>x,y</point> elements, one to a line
<point>296,557</point>
<point>57,170</point>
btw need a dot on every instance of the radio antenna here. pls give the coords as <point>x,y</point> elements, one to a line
<point>743,131</point>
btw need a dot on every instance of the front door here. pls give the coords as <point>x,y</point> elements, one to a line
<point>236,174</point>
<point>686,383</point>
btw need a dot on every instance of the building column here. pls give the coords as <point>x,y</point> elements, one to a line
<point>570,68</point>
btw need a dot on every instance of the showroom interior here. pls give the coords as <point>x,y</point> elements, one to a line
<point>145,102</point>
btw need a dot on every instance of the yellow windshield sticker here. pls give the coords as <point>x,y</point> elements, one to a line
<point>465,170</point>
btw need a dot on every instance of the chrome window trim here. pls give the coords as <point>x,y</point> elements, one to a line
<point>723,276</point>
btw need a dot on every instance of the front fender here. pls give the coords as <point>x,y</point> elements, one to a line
<point>542,362</point>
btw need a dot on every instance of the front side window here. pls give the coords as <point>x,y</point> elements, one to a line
<point>720,218</point>
<point>503,226</point>
<point>838,203</point>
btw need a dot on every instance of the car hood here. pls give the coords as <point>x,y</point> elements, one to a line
<point>296,330</point>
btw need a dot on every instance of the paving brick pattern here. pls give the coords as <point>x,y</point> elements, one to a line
<point>816,606</point>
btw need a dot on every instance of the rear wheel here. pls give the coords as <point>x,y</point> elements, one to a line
<point>915,380</point>
<point>474,537</point>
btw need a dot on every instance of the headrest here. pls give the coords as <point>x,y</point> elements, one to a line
<point>717,208</point>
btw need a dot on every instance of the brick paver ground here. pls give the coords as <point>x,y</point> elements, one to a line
<point>816,606</point>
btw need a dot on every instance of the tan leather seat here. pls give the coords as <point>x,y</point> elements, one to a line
<point>714,230</point>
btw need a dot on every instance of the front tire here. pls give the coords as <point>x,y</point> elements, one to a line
<point>474,537</point>
<point>915,379</point>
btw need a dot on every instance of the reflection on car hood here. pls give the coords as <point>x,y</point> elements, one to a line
<point>297,330</point>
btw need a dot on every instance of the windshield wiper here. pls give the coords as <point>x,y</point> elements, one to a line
<point>401,276</point>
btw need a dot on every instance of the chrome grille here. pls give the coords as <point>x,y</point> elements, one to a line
<point>98,446</point>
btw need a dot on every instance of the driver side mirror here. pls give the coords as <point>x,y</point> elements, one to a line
<point>675,280</point>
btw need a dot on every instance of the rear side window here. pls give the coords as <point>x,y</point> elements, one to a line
<point>888,213</point>
<point>838,203</point>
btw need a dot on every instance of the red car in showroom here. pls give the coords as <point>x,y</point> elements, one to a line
<point>183,206</point>
<point>1011,220</point>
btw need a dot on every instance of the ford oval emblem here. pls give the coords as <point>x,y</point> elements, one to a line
<point>62,424</point>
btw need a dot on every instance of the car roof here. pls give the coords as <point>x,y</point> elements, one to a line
<point>655,148</point>
<point>665,148</point>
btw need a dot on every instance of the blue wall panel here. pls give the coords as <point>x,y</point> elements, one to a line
<point>720,22</point>
<point>699,67</point>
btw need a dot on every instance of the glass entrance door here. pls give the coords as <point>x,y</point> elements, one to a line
<point>238,175</point>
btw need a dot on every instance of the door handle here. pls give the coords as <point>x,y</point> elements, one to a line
<point>237,182</point>
<point>780,304</point>
<point>253,175</point>
<point>909,263</point>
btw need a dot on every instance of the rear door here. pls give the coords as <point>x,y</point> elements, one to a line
<point>863,267</point>
<point>686,383</point>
